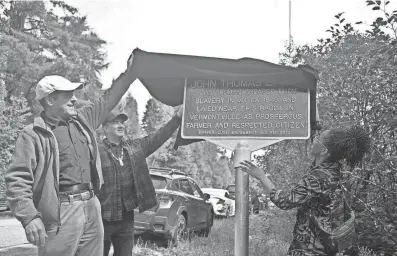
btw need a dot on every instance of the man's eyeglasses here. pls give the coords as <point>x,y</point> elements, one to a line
<point>117,122</point>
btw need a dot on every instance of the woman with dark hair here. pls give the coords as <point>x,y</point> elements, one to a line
<point>318,195</point>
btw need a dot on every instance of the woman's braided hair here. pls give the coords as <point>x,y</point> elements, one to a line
<point>350,144</point>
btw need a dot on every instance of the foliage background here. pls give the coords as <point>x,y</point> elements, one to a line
<point>357,65</point>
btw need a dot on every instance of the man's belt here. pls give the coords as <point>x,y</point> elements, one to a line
<point>83,196</point>
<point>76,188</point>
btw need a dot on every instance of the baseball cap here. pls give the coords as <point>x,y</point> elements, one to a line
<point>50,84</point>
<point>111,116</point>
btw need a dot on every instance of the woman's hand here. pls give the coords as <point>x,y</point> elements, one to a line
<point>253,170</point>
<point>257,173</point>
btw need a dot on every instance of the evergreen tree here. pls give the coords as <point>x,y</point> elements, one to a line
<point>47,38</point>
<point>11,122</point>
<point>133,126</point>
<point>155,116</point>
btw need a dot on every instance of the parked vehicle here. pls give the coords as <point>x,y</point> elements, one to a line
<point>222,203</point>
<point>255,204</point>
<point>266,203</point>
<point>4,206</point>
<point>232,191</point>
<point>182,207</point>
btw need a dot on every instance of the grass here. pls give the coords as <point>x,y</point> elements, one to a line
<point>269,234</point>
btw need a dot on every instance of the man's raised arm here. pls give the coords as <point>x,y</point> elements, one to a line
<point>96,112</point>
<point>153,141</point>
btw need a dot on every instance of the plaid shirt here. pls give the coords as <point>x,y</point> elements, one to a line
<point>130,186</point>
<point>119,181</point>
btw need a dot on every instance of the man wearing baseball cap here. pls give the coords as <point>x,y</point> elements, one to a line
<point>55,172</point>
<point>127,180</point>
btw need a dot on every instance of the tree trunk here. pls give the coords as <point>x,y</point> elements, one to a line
<point>17,15</point>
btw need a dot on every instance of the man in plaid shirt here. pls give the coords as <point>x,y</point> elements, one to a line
<point>127,182</point>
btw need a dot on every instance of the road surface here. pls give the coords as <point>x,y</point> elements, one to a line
<point>13,241</point>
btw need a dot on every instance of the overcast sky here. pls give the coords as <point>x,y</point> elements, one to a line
<point>213,28</point>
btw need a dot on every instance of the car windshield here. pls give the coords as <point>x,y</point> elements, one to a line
<point>158,182</point>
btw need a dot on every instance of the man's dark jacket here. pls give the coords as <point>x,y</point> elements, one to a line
<point>138,150</point>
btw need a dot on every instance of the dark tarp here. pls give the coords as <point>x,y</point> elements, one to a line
<point>164,76</point>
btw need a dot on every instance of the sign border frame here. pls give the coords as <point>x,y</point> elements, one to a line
<point>241,138</point>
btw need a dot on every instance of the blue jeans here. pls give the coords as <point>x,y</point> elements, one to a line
<point>120,234</point>
<point>81,233</point>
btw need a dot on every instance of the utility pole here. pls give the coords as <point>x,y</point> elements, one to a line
<point>289,16</point>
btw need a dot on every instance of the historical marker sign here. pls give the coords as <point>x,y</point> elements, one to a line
<point>226,109</point>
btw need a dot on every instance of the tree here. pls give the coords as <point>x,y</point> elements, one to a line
<point>11,122</point>
<point>358,73</point>
<point>47,38</point>
<point>155,116</point>
<point>132,125</point>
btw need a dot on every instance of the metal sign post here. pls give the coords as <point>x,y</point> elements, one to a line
<point>243,152</point>
<point>241,219</point>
